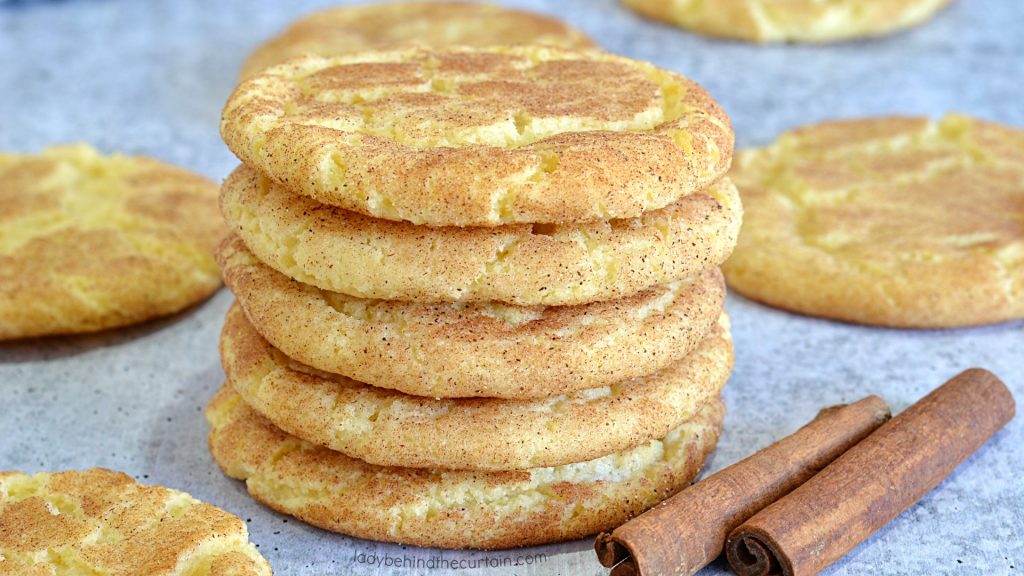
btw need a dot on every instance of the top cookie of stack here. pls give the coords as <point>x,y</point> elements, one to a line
<point>475,261</point>
<point>480,137</point>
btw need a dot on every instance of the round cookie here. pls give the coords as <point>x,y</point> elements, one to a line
<point>348,29</point>
<point>522,264</point>
<point>900,222</point>
<point>389,428</point>
<point>89,242</point>
<point>453,509</point>
<point>102,522</point>
<point>474,350</point>
<point>790,20</point>
<point>480,136</point>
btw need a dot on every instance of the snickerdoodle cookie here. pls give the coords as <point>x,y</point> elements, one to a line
<point>480,136</point>
<point>344,29</point>
<point>89,242</point>
<point>889,221</point>
<point>482,349</point>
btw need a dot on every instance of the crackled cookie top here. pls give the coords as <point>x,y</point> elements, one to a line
<point>102,522</point>
<point>891,221</point>
<point>481,136</point>
<point>90,242</point>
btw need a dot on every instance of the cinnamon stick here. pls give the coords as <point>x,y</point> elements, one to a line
<point>874,481</point>
<point>688,531</point>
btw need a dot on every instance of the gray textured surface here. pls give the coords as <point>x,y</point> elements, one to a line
<point>151,77</point>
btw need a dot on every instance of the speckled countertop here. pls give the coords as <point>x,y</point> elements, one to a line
<point>151,77</point>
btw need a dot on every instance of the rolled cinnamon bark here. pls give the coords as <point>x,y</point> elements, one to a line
<point>874,481</point>
<point>686,532</point>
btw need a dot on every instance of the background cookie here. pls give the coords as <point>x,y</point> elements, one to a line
<point>394,429</point>
<point>90,242</point>
<point>520,264</point>
<point>102,522</point>
<point>790,20</point>
<point>888,221</point>
<point>452,509</point>
<point>480,136</point>
<point>438,24</point>
<point>474,350</point>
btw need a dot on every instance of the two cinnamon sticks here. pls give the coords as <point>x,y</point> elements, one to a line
<point>802,503</point>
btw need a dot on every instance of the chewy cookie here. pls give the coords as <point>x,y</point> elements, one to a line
<point>522,264</point>
<point>394,429</point>
<point>481,136</point>
<point>790,20</point>
<point>102,522</point>
<point>89,242</point>
<point>477,349</point>
<point>437,24</point>
<point>900,222</point>
<point>453,509</point>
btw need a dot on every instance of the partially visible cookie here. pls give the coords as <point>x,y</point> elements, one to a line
<point>474,349</point>
<point>453,509</point>
<point>89,242</point>
<point>480,136</point>
<point>102,522</point>
<point>345,29</point>
<point>394,429</point>
<point>901,222</point>
<point>790,20</point>
<point>522,264</point>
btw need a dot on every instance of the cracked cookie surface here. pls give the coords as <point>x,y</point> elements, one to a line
<point>389,428</point>
<point>790,20</point>
<point>102,522</point>
<point>522,264</point>
<point>89,242</point>
<point>448,508</point>
<point>480,136</point>
<point>901,222</point>
<point>487,349</point>
<point>348,29</point>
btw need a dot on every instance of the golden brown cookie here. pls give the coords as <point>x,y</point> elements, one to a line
<point>102,522</point>
<point>481,136</point>
<point>345,252</point>
<point>346,29</point>
<point>888,221</point>
<point>89,242</point>
<point>790,20</point>
<point>474,350</point>
<point>453,509</point>
<point>394,429</point>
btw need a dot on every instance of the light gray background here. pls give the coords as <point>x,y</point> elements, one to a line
<point>150,77</point>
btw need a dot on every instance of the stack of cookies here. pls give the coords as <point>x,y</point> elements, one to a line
<point>478,296</point>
